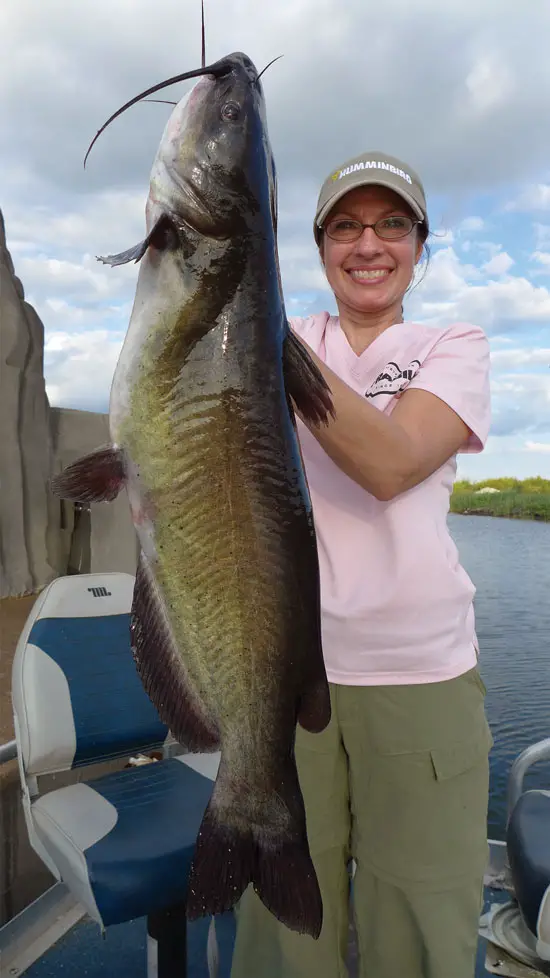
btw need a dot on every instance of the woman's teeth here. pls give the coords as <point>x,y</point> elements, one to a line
<point>364,275</point>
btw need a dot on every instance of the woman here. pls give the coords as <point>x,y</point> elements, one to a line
<point>398,781</point>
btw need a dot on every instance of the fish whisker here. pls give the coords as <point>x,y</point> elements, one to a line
<point>278,58</point>
<point>217,70</point>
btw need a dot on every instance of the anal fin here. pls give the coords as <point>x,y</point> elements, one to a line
<point>162,670</point>
<point>97,477</point>
<point>305,383</point>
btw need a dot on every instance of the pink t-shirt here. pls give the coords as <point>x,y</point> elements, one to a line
<point>397,607</point>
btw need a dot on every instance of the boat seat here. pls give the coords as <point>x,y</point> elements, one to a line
<point>528,844</point>
<point>121,842</point>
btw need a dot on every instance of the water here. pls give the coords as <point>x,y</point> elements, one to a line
<point>509,562</point>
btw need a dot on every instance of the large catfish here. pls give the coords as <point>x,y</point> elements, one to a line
<point>226,608</point>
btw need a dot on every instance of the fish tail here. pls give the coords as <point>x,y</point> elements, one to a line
<point>270,851</point>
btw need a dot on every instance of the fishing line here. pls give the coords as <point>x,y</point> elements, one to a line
<point>203,61</point>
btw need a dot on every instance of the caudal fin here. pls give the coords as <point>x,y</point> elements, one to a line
<point>231,853</point>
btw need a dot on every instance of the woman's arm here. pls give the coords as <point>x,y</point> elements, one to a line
<point>387,454</point>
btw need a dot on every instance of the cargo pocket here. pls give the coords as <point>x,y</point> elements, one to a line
<point>424,822</point>
<point>449,762</point>
<point>473,676</point>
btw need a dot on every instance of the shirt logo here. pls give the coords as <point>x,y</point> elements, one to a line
<point>393,380</point>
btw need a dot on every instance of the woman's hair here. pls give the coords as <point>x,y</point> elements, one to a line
<point>423,234</point>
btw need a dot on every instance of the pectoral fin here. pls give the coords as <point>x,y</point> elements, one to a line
<point>94,478</point>
<point>156,237</point>
<point>132,254</point>
<point>305,383</point>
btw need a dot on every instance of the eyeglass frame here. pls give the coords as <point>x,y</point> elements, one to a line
<point>414,223</point>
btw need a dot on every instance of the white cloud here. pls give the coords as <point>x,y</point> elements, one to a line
<point>447,275</point>
<point>538,446</point>
<point>472,223</point>
<point>542,235</point>
<point>507,302</point>
<point>460,294</point>
<point>101,222</point>
<point>518,357</point>
<point>520,405</point>
<point>478,131</point>
<point>534,198</point>
<point>458,140</point>
<point>490,248</point>
<point>87,279</point>
<point>442,238</point>
<point>80,368</point>
<point>499,264</point>
<point>301,269</point>
<point>489,84</point>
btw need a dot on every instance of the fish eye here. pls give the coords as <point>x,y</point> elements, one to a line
<point>231,112</point>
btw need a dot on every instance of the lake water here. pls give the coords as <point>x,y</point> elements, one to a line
<point>509,562</point>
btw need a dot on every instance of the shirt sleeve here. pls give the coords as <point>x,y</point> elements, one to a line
<point>296,323</point>
<point>457,370</point>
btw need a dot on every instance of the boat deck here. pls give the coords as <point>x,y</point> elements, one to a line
<point>83,951</point>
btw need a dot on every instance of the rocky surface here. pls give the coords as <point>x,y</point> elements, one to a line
<point>25,440</point>
<point>41,536</point>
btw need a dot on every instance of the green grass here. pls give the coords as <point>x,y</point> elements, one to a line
<point>534,484</point>
<point>509,503</point>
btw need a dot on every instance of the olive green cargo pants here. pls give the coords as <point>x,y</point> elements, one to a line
<point>399,782</point>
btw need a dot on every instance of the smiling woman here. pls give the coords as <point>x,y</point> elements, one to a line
<point>398,781</point>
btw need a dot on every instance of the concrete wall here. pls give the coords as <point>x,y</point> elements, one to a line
<point>42,537</point>
<point>104,538</point>
<point>25,441</point>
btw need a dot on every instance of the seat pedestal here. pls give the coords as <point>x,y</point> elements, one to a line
<point>167,943</point>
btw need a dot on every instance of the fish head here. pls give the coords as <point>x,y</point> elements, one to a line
<point>214,168</point>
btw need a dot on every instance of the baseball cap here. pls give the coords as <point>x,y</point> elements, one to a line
<point>371,168</point>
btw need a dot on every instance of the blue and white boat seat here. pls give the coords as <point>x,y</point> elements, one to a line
<point>528,844</point>
<point>123,842</point>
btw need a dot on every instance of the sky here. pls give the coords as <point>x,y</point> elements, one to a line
<point>459,90</point>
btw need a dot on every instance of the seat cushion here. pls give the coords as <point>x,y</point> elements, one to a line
<point>528,842</point>
<point>124,843</point>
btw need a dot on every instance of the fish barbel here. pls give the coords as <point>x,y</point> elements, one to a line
<point>226,608</point>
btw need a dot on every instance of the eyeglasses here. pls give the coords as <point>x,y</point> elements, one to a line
<point>389,228</point>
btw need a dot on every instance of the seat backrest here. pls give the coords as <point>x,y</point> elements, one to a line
<point>77,696</point>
